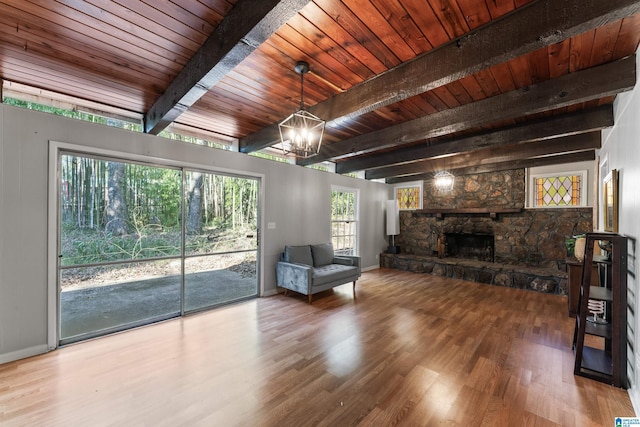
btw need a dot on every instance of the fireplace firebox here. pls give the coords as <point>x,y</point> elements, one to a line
<point>480,247</point>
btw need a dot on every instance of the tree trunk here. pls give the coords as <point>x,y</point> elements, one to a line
<point>116,205</point>
<point>194,215</point>
<point>92,204</point>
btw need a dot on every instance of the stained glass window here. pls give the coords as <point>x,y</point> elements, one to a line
<point>554,191</point>
<point>408,197</point>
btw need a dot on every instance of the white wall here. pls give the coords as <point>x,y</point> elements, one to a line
<point>297,199</point>
<point>621,146</point>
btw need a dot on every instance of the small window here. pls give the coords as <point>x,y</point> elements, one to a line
<point>409,197</point>
<point>558,190</point>
<point>344,220</point>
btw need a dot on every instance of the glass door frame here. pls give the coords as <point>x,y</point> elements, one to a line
<point>186,256</point>
<point>56,149</point>
<point>177,311</point>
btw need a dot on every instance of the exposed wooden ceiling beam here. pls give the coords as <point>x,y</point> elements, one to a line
<point>245,27</point>
<point>539,24</point>
<point>567,144</point>
<point>581,156</point>
<point>552,127</point>
<point>593,83</point>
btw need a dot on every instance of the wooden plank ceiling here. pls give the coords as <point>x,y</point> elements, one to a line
<point>408,87</point>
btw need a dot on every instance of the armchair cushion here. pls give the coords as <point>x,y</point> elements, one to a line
<point>298,255</point>
<point>331,273</point>
<point>322,254</point>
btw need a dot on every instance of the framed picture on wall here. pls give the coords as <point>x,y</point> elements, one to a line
<point>610,199</point>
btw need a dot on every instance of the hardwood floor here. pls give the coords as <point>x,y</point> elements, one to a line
<point>411,350</point>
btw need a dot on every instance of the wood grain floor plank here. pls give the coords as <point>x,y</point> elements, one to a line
<point>410,350</point>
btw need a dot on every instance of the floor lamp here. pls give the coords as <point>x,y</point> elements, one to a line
<point>393,225</point>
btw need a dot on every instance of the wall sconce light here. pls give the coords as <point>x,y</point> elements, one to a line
<point>443,181</point>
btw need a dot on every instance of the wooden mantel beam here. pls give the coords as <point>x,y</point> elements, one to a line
<point>245,27</point>
<point>552,127</point>
<point>586,85</point>
<point>567,144</point>
<point>540,23</point>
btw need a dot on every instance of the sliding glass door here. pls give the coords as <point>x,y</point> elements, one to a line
<point>142,243</point>
<point>222,241</point>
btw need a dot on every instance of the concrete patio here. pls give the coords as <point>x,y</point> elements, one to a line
<point>118,306</point>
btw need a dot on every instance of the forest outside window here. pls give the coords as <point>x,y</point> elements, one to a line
<point>131,232</point>
<point>344,220</point>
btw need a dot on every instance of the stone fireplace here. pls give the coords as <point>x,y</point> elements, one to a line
<point>529,238</point>
<point>492,204</point>
<point>480,247</point>
<point>512,246</point>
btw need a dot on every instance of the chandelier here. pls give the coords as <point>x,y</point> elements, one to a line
<point>443,181</point>
<point>301,132</point>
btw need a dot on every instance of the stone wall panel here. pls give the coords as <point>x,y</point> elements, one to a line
<point>533,237</point>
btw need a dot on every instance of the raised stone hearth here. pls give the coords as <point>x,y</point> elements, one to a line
<point>548,280</point>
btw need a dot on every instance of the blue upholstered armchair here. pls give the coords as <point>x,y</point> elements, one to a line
<point>310,269</point>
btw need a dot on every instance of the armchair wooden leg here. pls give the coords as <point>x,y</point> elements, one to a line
<point>285,292</point>
<point>310,298</point>
<point>354,289</point>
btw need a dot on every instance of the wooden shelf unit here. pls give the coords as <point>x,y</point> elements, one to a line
<point>608,363</point>
<point>574,268</point>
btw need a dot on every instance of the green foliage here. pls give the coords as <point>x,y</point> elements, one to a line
<point>154,199</point>
<point>343,205</point>
<point>214,240</point>
<point>153,195</point>
<point>194,140</point>
<point>74,114</point>
<point>81,246</point>
<point>570,243</point>
<point>269,156</point>
<point>86,246</point>
<point>319,167</point>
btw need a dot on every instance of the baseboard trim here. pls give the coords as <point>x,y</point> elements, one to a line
<point>372,267</point>
<point>24,353</point>
<point>270,293</point>
<point>634,396</point>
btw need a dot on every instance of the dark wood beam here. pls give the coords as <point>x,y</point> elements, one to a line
<point>581,156</point>
<point>552,127</point>
<point>586,85</point>
<point>567,144</point>
<point>245,27</point>
<point>539,24</point>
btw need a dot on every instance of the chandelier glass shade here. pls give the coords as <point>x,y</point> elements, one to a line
<point>443,181</point>
<point>301,133</point>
